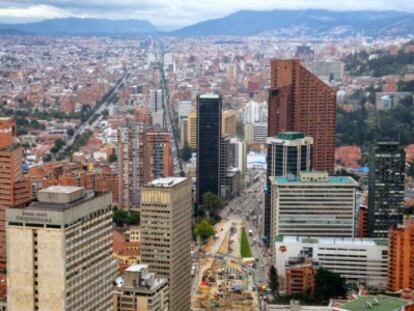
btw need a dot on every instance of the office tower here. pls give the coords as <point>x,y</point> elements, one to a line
<point>313,204</point>
<point>287,153</point>
<point>184,108</point>
<point>131,159</point>
<point>209,108</point>
<point>359,261</point>
<point>140,290</point>
<point>15,189</point>
<point>229,123</point>
<point>166,211</point>
<point>192,129</point>
<point>60,252</point>
<point>238,154</point>
<point>255,133</point>
<point>299,101</point>
<point>385,188</point>
<point>157,155</point>
<point>401,254</point>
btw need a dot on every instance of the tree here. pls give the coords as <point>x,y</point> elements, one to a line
<point>328,285</point>
<point>112,158</point>
<point>204,230</point>
<point>212,203</point>
<point>186,152</point>
<point>274,281</point>
<point>59,143</point>
<point>120,217</point>
<point>70,132</point>
<point>133,218</point>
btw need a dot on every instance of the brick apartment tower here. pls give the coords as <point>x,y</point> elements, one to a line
<point>299,101</point>
<point>401,258</point>
<point>15,189</point>
<point>157,155</point>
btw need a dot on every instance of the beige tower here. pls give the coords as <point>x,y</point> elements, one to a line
<point>59,252</point>
<point>166,209</point>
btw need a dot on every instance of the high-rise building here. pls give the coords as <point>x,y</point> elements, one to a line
<point>385,188</point>
<point>287,153</point>
<point>238,154</point>
<point>157,158</point>
<point>300,101</point>
<point>59,252</point>
<point>255,133</point>
<point>401,254</point>
<point>15,189</point>
<point>314,205</point>
<point>209,109</point>
<point>156,99</point>
<point>192,129</point>
<point>131,160</point>
<point>229,123</point>
<point>140,290</point>
<point>166,211</point>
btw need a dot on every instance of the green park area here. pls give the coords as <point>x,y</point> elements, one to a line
<point>245,251</point>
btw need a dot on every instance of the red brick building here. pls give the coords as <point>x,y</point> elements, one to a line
<point>300,101</point>
<point>15,189</point>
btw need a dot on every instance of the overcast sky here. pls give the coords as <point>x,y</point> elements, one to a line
<point>174,12</point>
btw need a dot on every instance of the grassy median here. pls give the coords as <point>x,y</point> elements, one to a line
<point>245,251</point>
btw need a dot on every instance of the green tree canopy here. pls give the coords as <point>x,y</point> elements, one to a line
<point>328,285</point>
<point>212,203</point>
<point>274,281</point>
<point>204,230</point>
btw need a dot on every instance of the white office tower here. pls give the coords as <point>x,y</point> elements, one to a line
<point>59,252</point>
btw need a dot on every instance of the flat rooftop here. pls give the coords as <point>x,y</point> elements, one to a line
<point>166,181</point>
<point>332,241</point>
<point>136,267</point>
<point>375,303</point>
<point>61,189</point>
<point>209,96</point>
<point>334,180</point>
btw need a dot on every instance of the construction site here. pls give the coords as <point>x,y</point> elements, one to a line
<point>225,281</point>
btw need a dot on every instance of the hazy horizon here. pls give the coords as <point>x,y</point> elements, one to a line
<point>168,15</point>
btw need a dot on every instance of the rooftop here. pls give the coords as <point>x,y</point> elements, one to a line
<point>137,268</point>
<point>166,181</point>
<point>60,194</point>
<point>290,135</point>
<point>332,241</point>
<point>209,96</point>
<point>375,303</point>
<point>334,180</point>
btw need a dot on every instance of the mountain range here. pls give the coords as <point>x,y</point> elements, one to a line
<point>316,23</point>
<point>305,22</point>
<point>81,26</point>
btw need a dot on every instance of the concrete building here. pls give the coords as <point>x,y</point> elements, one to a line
<point>131,163</point>
<point>388,100</point>
<point>255,133</point>
<point>287,153</point>
<point>238,154</point>
<point>59,252</point>
<point>156,100</point>
<point>192,129</point>
<point>254,112</point>
<point>401,254</point>
<point>158,161</point>
<point>300,101</point>
<point>166,211</point>
<point>229,123</point>
<point>140,290</point>
<point>359,261</point>
<point>313,204</point>
<point>15,189</point>
<point>385,188</point>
